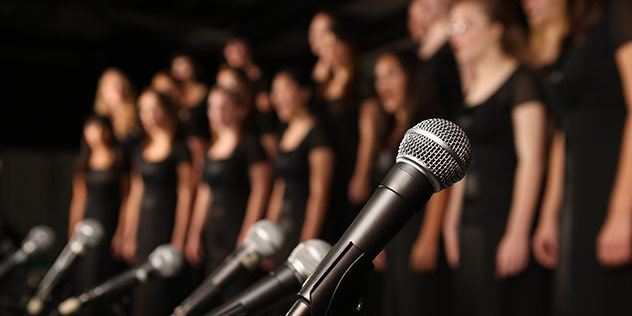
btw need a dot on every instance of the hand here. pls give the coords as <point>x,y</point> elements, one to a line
<point>424,255</point>
<point>545,244</point>
<point>614,242</point>
<point>380,261</point>
<point>117,245</point>
<point>129,251</point>
<point>193,252</point>
<point>451,245</point>
<point>359,190</point>
<point>512,255</point>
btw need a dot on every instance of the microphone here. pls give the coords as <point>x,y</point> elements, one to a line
<point>39,239</point>
<point>279,284</point>
<point>88,233</point>
<point>165,261</point>
<point>264,239</point>
<point>433,155</point>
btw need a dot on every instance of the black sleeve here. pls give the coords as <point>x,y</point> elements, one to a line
<point>181,153</point>
<point>526,88</point>
<point>318,137</point>
<point>620,21</point>
<point>254,151</point>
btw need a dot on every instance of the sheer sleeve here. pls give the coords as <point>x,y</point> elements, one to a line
<point>318,137</point>
<point>254,151</point>
<point>620,21</point>
<point>525,87</point>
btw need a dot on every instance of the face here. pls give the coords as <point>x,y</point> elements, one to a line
<point>182,68</point>
<point>471,32</point>
<point>152,115</point>
<point>95,134</point>
<point>113,88</point>
<point>540,12</point>
<point>320,25</point>
<point>222,110</point>
<point>417,20</point>
<point>165,84</point>
<point>227,79</point>
<point>390,83</point>
<point>287,96</point>
<point>237,53</point>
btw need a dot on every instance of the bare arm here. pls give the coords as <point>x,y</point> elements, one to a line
<point>260,174</point>
<point>614,244</point>
<point>425,251</point>
<point>132,216</point>
<point>451,222</point>
<point>529,127</point>
<point>321,162</point>
<point>359,185</point>
<point>183,206</point>
<point>78,202</point>
<point>117,239</point>
<point>276,199</point>
<point>193,250</point>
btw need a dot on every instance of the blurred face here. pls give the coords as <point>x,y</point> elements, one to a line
<point>164,84</point>
<point>417,20</point>
<point>222,110</point>
<point>287,97</point>
<point>227,79</point>
<point>471,32</point>
<point>182,68</point>
<point>95,134</point>
<point>321,24</point>
<point>113,88</point>
<point>390,83</point>
<point>540,12</point>
<point>151,113</point>
<point>237,53</point>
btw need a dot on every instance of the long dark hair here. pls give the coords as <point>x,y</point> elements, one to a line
<point>583,15</point>
<point>170,110</point>
<point>83,162</point>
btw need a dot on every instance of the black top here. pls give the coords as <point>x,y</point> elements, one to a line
<point>229,182</point>
<point>444,72</point>
<point>489,125</point>
<point>158,204</point>
<point>293,168</point>
<point>591,108</point>
<point>194,121</point>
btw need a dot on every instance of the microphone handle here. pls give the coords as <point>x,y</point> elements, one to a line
<point>121,282</point>
<point>58,270</point>
<point>282,283</point>
<point>11,261</point>
<point>228,270</point>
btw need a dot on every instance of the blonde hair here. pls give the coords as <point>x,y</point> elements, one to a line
<point>129,114</point>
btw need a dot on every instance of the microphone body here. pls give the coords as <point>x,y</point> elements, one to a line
<point>264,239</point>
<point>433,155</point>
<point>39,239</point>
<point>278,284</point>
<point>88,233</point>
<point>164,261</point>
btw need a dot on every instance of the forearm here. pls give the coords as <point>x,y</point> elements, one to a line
<point>183,212</point>
<point>315,213</point>
<point>433,217</point>
<point>276,198</point>
<point>525,195</point>
<point>254,209</point>
<point>554,188</point>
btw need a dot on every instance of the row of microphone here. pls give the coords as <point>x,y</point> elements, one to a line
<point>433,155</point>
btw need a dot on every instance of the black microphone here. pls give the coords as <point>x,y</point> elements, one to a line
<point>88,233</point>
<point>165,261</point>
<point>279,284</point>
<point>39,239</point>
<point>264,239</point>
<point>433,155</point>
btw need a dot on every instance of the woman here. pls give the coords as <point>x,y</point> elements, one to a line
<point>304,164</point>
<point>585,228</point>
<point>491,213</point>
<point>98,187</point>
<point>160,198</point>
<point>235,187</point>
<point>415,279</point>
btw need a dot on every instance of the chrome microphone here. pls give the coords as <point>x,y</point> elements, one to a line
<point>39,239</point>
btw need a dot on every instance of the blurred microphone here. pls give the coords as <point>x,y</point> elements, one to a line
<point>38,240</point>
<point>165,261</point>
<point>280,284</point>
<point>264,239</point>
<point>433,155</point>
<point>88,233</point>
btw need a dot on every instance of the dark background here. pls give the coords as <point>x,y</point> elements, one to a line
<point>53,52</point>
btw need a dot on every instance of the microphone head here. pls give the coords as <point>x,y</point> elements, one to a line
<point>265,238</point>
<point>307,255</point>
<point>39,239</point>
<point>439,149</point>
<point>165,260</point>
<point>89,232</point>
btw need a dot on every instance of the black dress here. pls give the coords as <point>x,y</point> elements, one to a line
<point>293,168</point>
<point>230,186</point>
<point>592,110</point>
<point>155,225</point>
<point>194,121</point>
<point>443,71</point>
<point>486,205</point>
